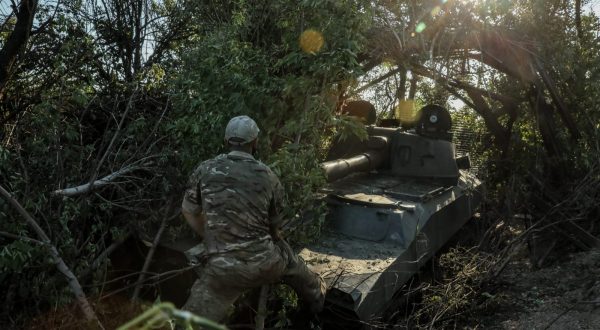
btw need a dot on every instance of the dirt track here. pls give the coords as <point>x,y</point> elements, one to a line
<point>563,295</point>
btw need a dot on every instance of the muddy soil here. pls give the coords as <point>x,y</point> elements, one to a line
<point>562,295</point>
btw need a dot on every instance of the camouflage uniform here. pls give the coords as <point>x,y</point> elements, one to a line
<point>241,197</point>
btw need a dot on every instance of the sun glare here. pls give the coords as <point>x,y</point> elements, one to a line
<point>311,41</point>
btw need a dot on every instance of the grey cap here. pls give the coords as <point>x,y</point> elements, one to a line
<point>241,130</point>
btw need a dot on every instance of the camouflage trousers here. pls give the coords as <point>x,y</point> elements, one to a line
<point>225,277</point>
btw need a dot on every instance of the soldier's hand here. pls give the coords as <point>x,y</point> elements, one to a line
<point>277,234</point>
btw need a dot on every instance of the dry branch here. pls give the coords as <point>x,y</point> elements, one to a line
<point>150,254</point>
<point>21,238</point>
<point>378,80</point>
<point>158,277</point>
<point>85,188</point>
<point>74,285</point>
<point>114,138</point>
<point>105,254</point>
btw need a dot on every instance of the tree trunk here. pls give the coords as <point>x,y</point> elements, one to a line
<point>578,18</point>
<point>412,91</point>
<point>16,41</point>
<point>491,122</point>
<point>543,113</point>
<point>401,92</point>
<point>137,40</point>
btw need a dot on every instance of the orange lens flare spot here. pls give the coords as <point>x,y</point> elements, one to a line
<point>311,41</point>
<point>405,111</point>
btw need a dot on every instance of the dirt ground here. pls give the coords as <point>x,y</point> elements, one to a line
<point>565,294</point>
<point>112,312</point>
<point>562,295</point>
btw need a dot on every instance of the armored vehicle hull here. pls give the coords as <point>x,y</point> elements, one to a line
<point>381,231</point>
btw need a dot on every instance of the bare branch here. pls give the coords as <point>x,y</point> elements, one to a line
<point>378,80</point>
<point>85,188</point>
<point>157,277</point>
<point>22,238</point>
<point>114,138</point>
<point>105,254</point>
<point>150,254</point>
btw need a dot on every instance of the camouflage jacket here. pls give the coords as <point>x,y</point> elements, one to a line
<point>240,197</point>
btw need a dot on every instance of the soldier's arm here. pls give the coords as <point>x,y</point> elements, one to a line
<point>275,231</point>
<point>191,207</point>
<point>196,221</point>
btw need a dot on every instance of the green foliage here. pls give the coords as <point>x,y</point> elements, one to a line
<point>253,65</point>
<point>212,88</point>
<point>347,126</point>
<point>67,98</point>
<point>301,176</point>
<point>89,99</point>
<point>290,302</point>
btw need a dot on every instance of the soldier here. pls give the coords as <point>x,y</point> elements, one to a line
<point>234,202</point>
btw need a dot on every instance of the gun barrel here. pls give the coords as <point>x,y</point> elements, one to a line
<point>367,161</point>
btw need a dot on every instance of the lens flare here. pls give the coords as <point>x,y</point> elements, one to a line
<point>405,111</point>
<point>311,41</point>
<point>436,10</point>
<point>420,27</point>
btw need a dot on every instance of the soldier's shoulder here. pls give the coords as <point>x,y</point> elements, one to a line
<point>270,173</point>
<point>258,165</point>
<point>263,165</point>
<point>216,161</point>
<point>196,173</point>
<point>255,170</point>
<point>206,166</point>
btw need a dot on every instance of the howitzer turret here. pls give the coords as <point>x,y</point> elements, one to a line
<point>394,199</point>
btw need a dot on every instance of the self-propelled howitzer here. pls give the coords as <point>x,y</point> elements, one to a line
<point>394,199</point>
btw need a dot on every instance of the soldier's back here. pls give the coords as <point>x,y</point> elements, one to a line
<point>237,191</point>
